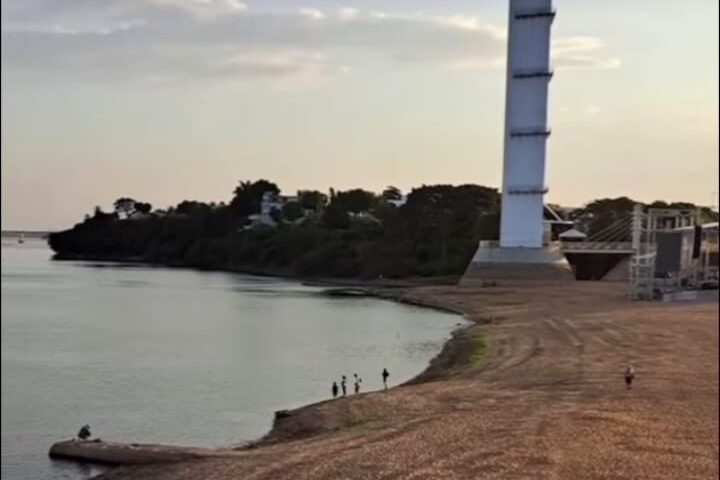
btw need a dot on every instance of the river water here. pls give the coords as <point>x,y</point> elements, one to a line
<point>178,356</point>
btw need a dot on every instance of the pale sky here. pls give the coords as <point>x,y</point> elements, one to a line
<point>165,100</point>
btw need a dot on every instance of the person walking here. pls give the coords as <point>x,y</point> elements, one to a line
<point>629,376</point>
<point>343,385</point>
<point>357,383</point>
<point>334,390</point>
<point>385,375</point>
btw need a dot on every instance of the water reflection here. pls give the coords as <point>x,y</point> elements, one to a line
<point>176,356</point>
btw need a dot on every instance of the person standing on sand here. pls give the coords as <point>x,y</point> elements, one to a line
<point>334,389</point>
<point>357,383</point>
<point>629,376</point>
<point>343,385</point>
<point>385,375</point>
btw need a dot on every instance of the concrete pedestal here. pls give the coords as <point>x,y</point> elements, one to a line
<point>517,263</point>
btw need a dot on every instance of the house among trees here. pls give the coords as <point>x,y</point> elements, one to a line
<point>131,209</point>
<point>276,208</point>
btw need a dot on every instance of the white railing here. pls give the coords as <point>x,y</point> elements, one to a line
<point>597,246</point>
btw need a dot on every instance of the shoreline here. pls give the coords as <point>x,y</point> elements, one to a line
<point>451,351</point>
<point>282,428</point>
<point>265,272</point>
<point>546,400</point>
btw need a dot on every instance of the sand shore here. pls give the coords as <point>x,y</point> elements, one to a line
<point>532,389</point>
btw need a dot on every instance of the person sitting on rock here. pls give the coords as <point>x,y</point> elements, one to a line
<point>84,433</point>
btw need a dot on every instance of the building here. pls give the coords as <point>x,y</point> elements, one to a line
<point>398,202</point>
<point>273,203</point>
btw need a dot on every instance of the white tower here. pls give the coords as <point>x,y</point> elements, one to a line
<point>521,250</point>
<point>526,123</point>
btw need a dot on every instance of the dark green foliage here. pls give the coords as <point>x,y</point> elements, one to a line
<point>434,233</point>
<point>357,234</point>
<point>191,208</point>
<point>335,216</point>
<point>312,200</point>
<point>391,193</point>
<point>292,211</point>
<point>354,201</point>
<point>597,216</point>
<point>248,196</point>
<point>143,207</point>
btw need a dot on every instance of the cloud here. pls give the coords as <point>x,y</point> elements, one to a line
<point>272,63</point>
<point>313,13</point>
<point>577,113</point>
<point>202,8</point>
<point>100,30</point>
<point>348,13</point>
<point>474,24</point>
<point>581,52</point>
<point>224,39</point>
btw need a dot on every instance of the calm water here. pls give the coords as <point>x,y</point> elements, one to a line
<point>175,356</point>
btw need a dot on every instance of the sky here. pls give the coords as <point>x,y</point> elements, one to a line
<point>166,100</point>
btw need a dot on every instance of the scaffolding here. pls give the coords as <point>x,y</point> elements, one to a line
<point>647,225</point>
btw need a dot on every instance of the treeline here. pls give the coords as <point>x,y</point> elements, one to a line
<point>434,231</point>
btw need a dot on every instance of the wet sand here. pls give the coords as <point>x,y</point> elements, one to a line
<point>534,389</point>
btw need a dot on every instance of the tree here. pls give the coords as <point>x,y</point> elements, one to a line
<point>292,211</point>
<point>248,196</point>
<point>190,207</point>
<point>312,200</point>
<point>708,215</point>
<point>99,216</point>
<point>143,207</point>
<point>391,193</point>
<point>335,216</point>
<point>124,206</point>
<point>276,214</point>
<point>355,200</point>
<point>601,214</point>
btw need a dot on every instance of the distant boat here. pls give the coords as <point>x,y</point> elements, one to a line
<point>21,238</point>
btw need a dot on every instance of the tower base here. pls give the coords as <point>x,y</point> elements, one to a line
<point>493,263</point>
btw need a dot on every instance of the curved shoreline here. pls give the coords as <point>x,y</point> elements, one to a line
<point>547,401</point>
<point>452,353</point>
<point>258,271</point>
<point>284,425</point>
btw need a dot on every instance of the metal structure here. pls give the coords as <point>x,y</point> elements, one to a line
<point>526,123</point>
<point>646,282</point>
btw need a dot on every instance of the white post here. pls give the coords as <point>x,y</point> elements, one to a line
<point>637,225</point>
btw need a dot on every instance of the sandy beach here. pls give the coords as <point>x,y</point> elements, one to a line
<point>533,389</point>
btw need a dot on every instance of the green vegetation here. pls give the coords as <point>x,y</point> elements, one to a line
<point>477,350</point>
<point>347,234</point>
